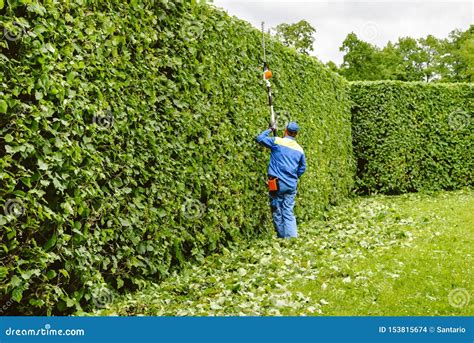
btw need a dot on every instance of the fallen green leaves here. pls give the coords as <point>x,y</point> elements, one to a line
<point>339,266</point>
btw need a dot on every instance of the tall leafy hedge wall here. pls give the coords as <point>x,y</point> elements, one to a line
<point>127,143</point>
<point>411,136</point>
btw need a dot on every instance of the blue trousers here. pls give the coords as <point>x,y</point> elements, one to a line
<point>282,204</point>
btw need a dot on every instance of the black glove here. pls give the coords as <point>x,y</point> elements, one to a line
<point>272,127</point>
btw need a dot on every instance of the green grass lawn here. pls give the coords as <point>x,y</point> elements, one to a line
<point>402,255</point>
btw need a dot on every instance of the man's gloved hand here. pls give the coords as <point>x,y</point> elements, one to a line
<point>272,127</point>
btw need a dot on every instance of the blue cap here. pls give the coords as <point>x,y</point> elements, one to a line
<point>292,127</point>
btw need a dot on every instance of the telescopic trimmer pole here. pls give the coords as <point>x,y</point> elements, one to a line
<point>267,74</point>
<point>270,103</point>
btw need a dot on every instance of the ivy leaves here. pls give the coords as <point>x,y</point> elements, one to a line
<point>265,277</point>
<point>3,106</point>
<point>131,145</point>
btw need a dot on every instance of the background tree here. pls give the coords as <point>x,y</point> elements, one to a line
<point>333,66</point>
<point>409,59</point>
<point>458,60</point>
<point>391,62</point>
<point>298,35</point>
<point>432,50</point>
<point>361,59</point>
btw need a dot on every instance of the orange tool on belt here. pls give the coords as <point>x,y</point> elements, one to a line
<point>273,184</point>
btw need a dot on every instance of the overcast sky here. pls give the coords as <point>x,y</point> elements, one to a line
<point>374,21</point>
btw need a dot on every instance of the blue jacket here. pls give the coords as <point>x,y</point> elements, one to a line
<point>287,160</point>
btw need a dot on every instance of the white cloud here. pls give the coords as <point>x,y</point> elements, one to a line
<point>374,21</point>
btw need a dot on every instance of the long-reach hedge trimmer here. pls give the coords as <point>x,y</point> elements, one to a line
<point>267,74</point>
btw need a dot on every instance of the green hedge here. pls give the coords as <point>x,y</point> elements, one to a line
<point>127,143</point>
<point>412,136</point>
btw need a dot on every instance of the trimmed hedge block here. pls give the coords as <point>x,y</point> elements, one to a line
<point>412,136</point>
<point>127,143</point>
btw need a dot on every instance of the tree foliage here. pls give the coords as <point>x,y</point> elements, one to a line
<point>409,59</point>
<point>459,58</point>
<point>361,59</point>
<point>298,36</point>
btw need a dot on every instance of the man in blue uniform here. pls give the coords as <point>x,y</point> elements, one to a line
<point>287,164</point>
